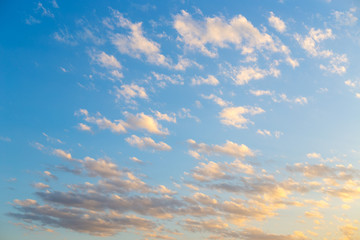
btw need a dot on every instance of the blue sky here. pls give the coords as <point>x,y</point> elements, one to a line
<point>180,120</point>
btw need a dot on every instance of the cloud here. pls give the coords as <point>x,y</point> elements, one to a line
<point>61,153</point>
<point>84,127</point>
<point>243,75</point>
<point>217,32</point>
<point>210,80</point>
<point>314,155</point>
<point>219,101</point>
<point>105,60</point>
<point>146,142</point>
<point>44,11</point>
<point>163,79</point>
<point>263,132</point>
<point>165,117</point>
<point>101,167</point>
<point>79,220</point>
<point>229,148</point>
<point>276,23</point>
<point>136,45</point>
<point>310,44</point>
<point>234,116</point>
<point>261,92</point>
<point>346,18</point>
<point>41,185</point>
<point>135,159</point>
<point>139,121</point>
<point>131,91</point>
<point>213,171</point>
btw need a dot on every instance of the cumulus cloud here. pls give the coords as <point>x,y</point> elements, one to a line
<point>215,32</point>
<point>137,45</point>
<point>219,101</point>
<point>310,44</point>
<point>139,121</point>
<point>165,117</point>
<point>234,116</point>
<point>61,153</point>
<point>84,127</point>
<point>229,148</point>
<point>210,80</point>
<point>128,92</point>
<point>147,142</point>
<point>243,75</point>
<point>261,92</point>
<point>346,18</point>
<point>105,60</point>
<point>277,23</point>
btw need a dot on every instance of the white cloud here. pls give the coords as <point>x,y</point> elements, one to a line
<point>41,185</point>
<point>219,101</point>
<point>135,159</point>
<point>243,75</point>
<point>310,44</point>
<point>229,148</point>
<point>117,74</point>
<point>105,60</point>
<point>346,18</point>
<point>314,155</point>
<point>217,32</point>
<point>164,79</point>
<point>131,91</point>
<point>311,41</point>
<point>210,80</point>
<point>61,153</point>
<point>84,127</point>
<point>147,142</point>
<point>234,116</point>
<point>139,121</point>
<point>276,23</point>
<point>263,132</point>
<point>165,117</point>
<point>261,92</point>
<point>143,121</point>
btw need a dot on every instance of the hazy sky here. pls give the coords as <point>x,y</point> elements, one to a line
<point>144,120</point>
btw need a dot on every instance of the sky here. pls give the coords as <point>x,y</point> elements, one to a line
<point>147,120</point>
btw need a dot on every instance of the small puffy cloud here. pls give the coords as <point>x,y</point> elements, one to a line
<point>210,80</point>
<point>263,132</point>
<point>277,23</point>
<point>163,79</point>
<point>284,98</point>
<point>101,167</point>
<point>310,44</point>
<point>234,116</point>
<point>314,155</point>
<point>128,92</point>
<point>139,121</point>
<point>147,142</point>
<point>219,101</point>
<point>105,60</point>
<point>212,171</point>
<point>243,75</point>
<point>346,18</point>
<point>143,121</point>
<point>61,153</point>
<point>115,73</point>
<point>186,113</point>
<point>229,148</point>
<point>311,41</point>
<point>84,127</point>
<point>41,185</point>
<point>135,159</point>
<point>215,32</point>
<point>165,117</point>
<point>261,92</point>
<point>50,175</point>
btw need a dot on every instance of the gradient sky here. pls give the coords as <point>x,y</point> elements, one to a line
<point>145,120</point>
